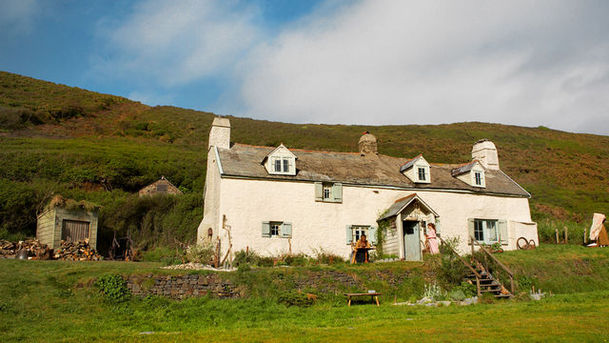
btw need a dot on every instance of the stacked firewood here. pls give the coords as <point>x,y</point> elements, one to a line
<point>76,251</point>
<point>31,248</point>
<point>7,248</point>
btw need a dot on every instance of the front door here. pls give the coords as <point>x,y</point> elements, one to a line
<point>412,245</point>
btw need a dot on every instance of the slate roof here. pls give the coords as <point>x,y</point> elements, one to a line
<point>463,168</point>
<point>351,168</point>
<point>409,164</point>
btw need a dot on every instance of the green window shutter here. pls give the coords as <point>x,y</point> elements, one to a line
<point>470,230</point>
<point>372,235</point>
<point>266,229</point>
<point>349,234</point>
<point>318,191</point>
<point>503,231</point>
<point>337,192</point>
<point>286,230</point>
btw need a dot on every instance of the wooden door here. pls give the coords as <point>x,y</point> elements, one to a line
<point>412,244</point>
<point>74,230</point>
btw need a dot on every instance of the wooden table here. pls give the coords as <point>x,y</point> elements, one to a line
<point>373,296</point>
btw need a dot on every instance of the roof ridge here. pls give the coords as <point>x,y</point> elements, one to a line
<point>406,197</point>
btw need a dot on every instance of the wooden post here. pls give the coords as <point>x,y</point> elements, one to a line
<point>471,240</point>
<point>557,241</point>
<point>512,284</point>
<point>566,235</point>
<point>585,236</point>
<point>478,286</point>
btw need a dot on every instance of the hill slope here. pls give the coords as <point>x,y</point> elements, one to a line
<point>102,148</point>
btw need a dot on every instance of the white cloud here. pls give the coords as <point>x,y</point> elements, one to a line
<point>399,62</point>
<point>17,16</point>
<point>375,61</point>
<point>175,42</point>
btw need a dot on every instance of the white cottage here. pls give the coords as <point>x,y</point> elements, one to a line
<point>275,200</point>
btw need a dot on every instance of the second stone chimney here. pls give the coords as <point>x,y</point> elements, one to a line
<point>486,153</point>
<point>367,144</point>
<point>219,135</point>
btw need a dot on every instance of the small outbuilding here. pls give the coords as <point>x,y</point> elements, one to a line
<point>67,220</point>
<point>161,186</point>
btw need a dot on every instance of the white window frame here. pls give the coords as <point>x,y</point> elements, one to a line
<point>277,229</point>
<point>326,191</point>
<point>282,162</point>
<point>358,230</point>
<point>482,178</point>
<point>482,227</point>
<point>426,173</point>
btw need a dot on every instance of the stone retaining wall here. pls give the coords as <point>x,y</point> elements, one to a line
<point>213,284</point>
<point>180,286</point>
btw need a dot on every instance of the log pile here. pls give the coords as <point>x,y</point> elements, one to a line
<point>33,248</point>
<point>76,251</point>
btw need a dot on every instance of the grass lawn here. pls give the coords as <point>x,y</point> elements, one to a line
<point>43,301</point>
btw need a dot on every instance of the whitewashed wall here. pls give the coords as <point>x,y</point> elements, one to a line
<point>211,205</point>
<point>247,203</point>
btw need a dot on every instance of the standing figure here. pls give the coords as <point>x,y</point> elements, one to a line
<point>598,232</point>
<point>432,239</point>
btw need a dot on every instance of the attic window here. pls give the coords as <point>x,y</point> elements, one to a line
<point>282,165</point>
<point>161,187</point>
<point>478,178</point>
<point>280,161</point>
<point>422,174</point>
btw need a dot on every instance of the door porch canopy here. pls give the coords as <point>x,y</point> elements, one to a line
<point>418,209</point>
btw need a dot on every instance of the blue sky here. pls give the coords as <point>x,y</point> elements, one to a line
<point>328,61</point>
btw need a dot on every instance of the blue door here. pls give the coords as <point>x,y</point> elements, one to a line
<point>412,244</point>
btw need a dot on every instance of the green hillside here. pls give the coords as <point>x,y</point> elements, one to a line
<point>103,148</point>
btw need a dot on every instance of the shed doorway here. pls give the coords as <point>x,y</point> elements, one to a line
<point>412,244</point>
<point>74,230</point>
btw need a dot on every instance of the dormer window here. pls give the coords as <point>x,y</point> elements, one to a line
<point>422,176</point>
<point>478,178</point>
<point>280,161</point>
<point>471,173</point>
<point>281,165</point>
<point>417,170</point>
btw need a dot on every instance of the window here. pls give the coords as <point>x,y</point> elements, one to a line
<point>281,165</point>
<point>329,192</point>
<point>275,227</point>
<point>358,231</point>
<point>485,231</point>
<point>161,187</point>
<point>355,232</point>
<point>478,178</point>
<point>422,174</point>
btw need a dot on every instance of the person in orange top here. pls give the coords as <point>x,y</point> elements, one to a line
<point>360,250</point>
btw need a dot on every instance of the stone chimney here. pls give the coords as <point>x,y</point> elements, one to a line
<point>486,153</point>
<point>219,135</point>
<point>367,144</point>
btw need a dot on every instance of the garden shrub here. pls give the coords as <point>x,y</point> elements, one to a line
<point>113,287</point>
<point>294,298</point>
<point>243,257</point>
<point>200,253</point>
<point>450,270</point>
<point>325,257</point>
